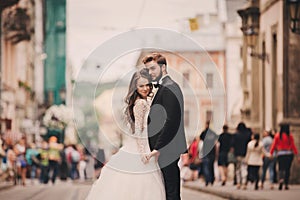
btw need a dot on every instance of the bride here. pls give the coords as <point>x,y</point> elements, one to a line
<point>129,174</point>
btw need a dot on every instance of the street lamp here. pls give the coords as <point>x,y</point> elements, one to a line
<point>250,25</point>
<point>294,11</point>
<point>243,14</point>
<point>250,29</point>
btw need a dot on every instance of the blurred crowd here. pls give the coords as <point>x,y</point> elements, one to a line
<point>47,161</point>
<point>251,156</point>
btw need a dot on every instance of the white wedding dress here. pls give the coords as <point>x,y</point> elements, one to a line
<point>125,176</point>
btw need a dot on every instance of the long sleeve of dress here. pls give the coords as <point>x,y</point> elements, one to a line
<point>139,111</point>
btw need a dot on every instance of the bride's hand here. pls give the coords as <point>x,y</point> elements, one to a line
<point>145,159</point>
<point>153,153</point>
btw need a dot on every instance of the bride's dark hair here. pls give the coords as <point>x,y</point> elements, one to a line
<point>132,94</point>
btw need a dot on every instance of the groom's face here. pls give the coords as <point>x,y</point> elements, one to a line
<point>154,70</point>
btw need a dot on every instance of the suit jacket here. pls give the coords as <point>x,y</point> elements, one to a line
<point>166,122</point>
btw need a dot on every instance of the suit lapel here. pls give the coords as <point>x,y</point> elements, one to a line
<point>165,81</point>
<point>158,92</point>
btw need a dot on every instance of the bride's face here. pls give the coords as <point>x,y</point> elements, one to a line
<point>143,87</point>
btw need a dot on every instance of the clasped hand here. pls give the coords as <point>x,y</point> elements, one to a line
<point>146,157</point>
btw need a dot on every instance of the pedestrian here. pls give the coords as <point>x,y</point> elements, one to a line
<point>2,152</point>
<point>9,163</point>
<point>209,138</point>
<point>20,151</point>
<point>3,158</point>
<point>32,161</point>
<point>54,157</point>
<point>99,161</point>
<point>194,158</point>
<point>240,142</point>
<point>186,174</point>
<point>268,163</point>
<point>63,167</point>
<point>286,149</point>
<point>75,157</point>
<point>67,152</point>
<point>224,147</point>
<point>232,160</point>
<point>253,159</point>
<point>82,163</point>
<point>44,162</point>
<point>275,168</point>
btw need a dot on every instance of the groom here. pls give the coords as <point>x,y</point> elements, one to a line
<point>165,126</point>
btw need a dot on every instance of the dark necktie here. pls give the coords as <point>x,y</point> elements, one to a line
<point>156,85</point>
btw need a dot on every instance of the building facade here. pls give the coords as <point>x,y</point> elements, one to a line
<point>271,72</point>
<point>33,62</point>
<point>17,69</point>
<point>55,51</point>
<point>234,63</point>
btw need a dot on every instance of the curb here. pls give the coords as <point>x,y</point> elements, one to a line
<point>5,187</point>
<point>223,194</point>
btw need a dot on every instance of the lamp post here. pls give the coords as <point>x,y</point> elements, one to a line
<point>250,29</point>
<point>294,14</point>
<point>250,24</point>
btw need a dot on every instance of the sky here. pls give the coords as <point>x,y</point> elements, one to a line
<point>92,22</point>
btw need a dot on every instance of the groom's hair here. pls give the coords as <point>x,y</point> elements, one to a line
<point>157,57</point>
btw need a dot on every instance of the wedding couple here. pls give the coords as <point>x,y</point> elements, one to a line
<point>146,167</point>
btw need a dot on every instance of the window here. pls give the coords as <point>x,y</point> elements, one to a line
<point>241,52</point>
<point>186,117</point>
<point>209,115</point>
<point>186,79</point>
<point>209,80</point>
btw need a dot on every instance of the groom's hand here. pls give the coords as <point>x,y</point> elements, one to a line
<point>154,153</point>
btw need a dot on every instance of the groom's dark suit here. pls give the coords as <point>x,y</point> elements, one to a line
<point>166,133</point>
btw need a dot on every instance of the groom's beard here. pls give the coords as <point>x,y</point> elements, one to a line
<point>159,77</point>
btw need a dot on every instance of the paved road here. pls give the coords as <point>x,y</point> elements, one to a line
<point>188,194</point>
<point>72,191</point>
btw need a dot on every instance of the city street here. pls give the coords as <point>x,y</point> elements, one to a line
<point>73,191</point>
<point>136,85</point>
